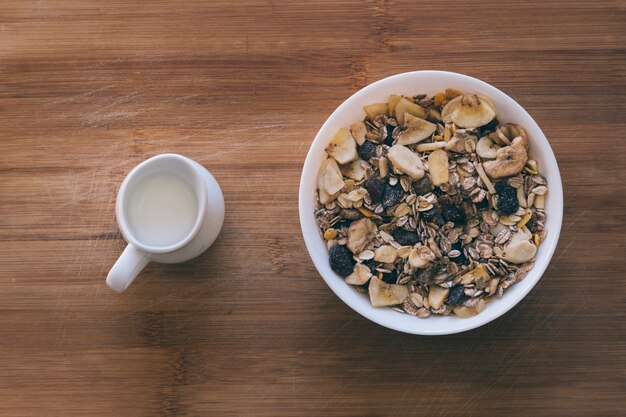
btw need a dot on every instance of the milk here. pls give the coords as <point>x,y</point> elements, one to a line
<point>162,209</point>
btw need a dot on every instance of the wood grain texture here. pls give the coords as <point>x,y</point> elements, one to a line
<point>88,89</point>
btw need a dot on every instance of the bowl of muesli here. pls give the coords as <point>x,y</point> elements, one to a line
<point>430,202</point>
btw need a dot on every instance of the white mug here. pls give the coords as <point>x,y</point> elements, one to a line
<point>169,209</point>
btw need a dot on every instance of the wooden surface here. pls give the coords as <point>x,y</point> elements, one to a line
<point>88,89</point>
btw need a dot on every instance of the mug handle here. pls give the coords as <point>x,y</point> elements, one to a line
<point>126,268</point>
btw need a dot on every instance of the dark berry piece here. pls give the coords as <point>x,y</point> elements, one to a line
<point>483,204</point>
<point>367,150</point>
<point>371,264</point>
<point>405,237</point>
<point>461,259</point>
<point>456,295</point>
<point>429,215</point>
<point>454,214</point>
<point>389,138</point>
<point>489,127</point>
<point>390,277</point>
<point>507,198</point>
<point>392,195</point>
<point>376,188</point>
<point>341,260</point>
<point>423,186</point>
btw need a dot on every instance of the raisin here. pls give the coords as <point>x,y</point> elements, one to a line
<point>390,277</point>
<point>367,150</point>
<point>341,260</point>
<point>423,186</point>
<point>507,198</point>
<point>392,195</point>
<point>405,237</point>
<point>389,138</point>
<point>489,127</point>
<point>371,264</point>
<point>375,187</point>
<point>454,214</point>
<point>429,215</point>
<point>461,259</point>
<point>483,204</point>
<point>456,295</point>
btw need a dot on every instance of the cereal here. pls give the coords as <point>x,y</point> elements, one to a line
<point>431,205</point>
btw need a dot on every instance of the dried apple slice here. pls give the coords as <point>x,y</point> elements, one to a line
<point>383,294</point>
<point>406,106</point>
<point>437,295</point>
<point>360,234</point>
<point>469,111</point>
<point>438,167</point>
<point>465,312</point>
<point>354,170</point>
<point>393,102</point>
<point>376,109</point>
<point>359,276</point>
<point>329,181</point>
<point>416,130</point>
<point>342,147</point>
<point>406,161</point>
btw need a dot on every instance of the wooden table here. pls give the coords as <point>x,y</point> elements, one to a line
<point>88,89</point>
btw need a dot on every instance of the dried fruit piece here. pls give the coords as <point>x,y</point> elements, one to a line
<point>423,186</point>
<point>416,130</point>
<point>406,161</point>
<point>405,106</point>
<point>389,136</point>
<point>453,214</point>
<point>429,215</point>
<point>386,254</point>
<point>519,249</point>
<point>358,131</point>
<point>383,294</point>
<point>375,187</point>
<point>376,109</point>
<point>342,147</point>
<point>359,276</point>
<point>438,167</point>
<point>330,233</point>
<point>437,295</point>
<point>509,161</point>
<point>439,99</point>
<point>469,111</point>
<point>465,312</point>
<point>486,149</point>
<point>405,237</point>
<point>456,295</point>
<point>392,195</point>
<point>507,198</point>
<point>329,181</point>
<point>480,272</point>
<point>360,234</point>
<point>368,150</point>
<point>393,102</point>
<point>341,260</point>
<point>354,170</point>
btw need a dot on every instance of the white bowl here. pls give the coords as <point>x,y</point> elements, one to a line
<point>409,84</point>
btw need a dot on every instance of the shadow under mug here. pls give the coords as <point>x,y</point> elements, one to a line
<point>206,228</point>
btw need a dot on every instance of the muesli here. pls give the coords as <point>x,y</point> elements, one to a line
<point>430,204</point>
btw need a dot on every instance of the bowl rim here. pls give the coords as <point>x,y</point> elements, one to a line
<point>306,198</point>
